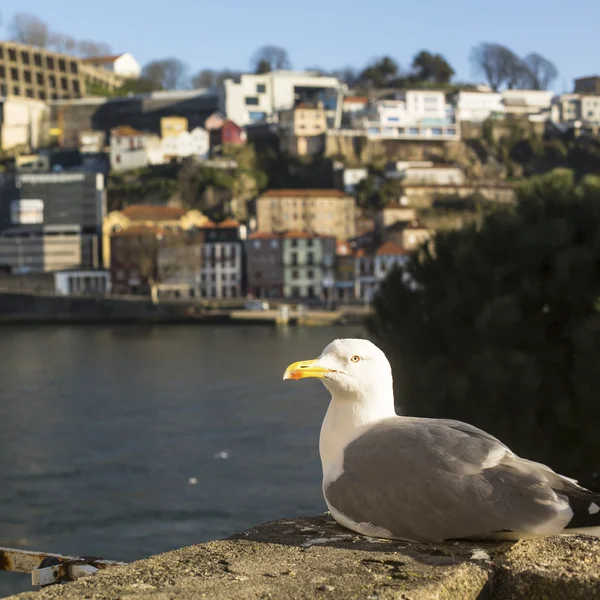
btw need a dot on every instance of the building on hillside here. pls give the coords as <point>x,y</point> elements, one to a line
<point>123,65</point>
<point>345,272</point>
<point>308,265</point>
<point>228,133</point>
<point>214,121</point>
<point>324,211</point>
<point>570,108</point>
<point>413,114</point>
<point>302,129</point>
<point>533,104</point>
<point>372,267</point>
<point>38,74</point>
<point>264,265</point>
<point>154,261</point>
<point>133,149</point>
<point>348,178</point>
<point>426,172</point>
<point>393,213</point>
<point>223,268</point>
<point>187,143</point>
<point>353,105</point>
<point>407,234</point>
<point>144,112</point>
<point>23,123</point>
<point>256,98</point>
<point>169,218</point>
<point>173,126</point>
<point>477,106</point>
<point>588,85</point>
<point>42,248</point>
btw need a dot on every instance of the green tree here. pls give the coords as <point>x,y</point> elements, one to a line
<point>380,72</point>
<point>499,325</point>
<point>432,67</point>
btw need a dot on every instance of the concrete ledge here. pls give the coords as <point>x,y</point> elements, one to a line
<point>310,558</point>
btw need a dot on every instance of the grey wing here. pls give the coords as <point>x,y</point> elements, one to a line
<point>429,480</point>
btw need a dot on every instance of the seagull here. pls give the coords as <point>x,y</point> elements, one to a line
<point>428,480</point>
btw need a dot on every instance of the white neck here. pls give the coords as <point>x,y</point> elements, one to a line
<point>345,420</point>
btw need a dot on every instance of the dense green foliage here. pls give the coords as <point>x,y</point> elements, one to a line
<point>498,325</point>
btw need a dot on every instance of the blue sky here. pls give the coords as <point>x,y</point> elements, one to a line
<point>225,33</point>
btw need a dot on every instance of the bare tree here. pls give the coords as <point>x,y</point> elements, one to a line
<point>499,65</point>
<point>91,49</point>
<point>168,73</point>
<point>542,72</point>
<point>62,43</point>
<point>270,58</point>
<point>28,29</point>
<point>205,78</point>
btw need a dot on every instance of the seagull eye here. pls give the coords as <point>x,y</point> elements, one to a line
<point>355,358</point>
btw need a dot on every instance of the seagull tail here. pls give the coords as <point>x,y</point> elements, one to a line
<point>586,512</point>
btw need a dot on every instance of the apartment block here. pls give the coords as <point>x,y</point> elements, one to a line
<point>39,74</point>
<point>323,211</point>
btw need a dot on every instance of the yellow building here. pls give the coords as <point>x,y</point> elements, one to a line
<point>149,215</point>
<point>173,126</point>
<point>328,212</point>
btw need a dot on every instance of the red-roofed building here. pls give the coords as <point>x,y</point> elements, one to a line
<point>228,133</point>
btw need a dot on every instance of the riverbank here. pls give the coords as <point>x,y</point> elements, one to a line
<point>310,558</point>
<point>20,308</point>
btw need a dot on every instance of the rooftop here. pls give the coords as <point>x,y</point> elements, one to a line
<point>304,193</point>
<point>151,212</point>
<point>102,60</point>
<point>390,249</point>
<point>126,131</point>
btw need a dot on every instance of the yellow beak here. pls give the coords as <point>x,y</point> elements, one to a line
<point>305,368</point>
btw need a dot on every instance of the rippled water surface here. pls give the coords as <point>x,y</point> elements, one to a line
<point>102,429</point>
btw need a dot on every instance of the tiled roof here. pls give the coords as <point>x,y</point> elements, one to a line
<point>151,212</point>
<point>264,235</point>
<point>125,131</point>
<point>304,193</point>
<point>390,249</point>
<point>356,99</point>
<point>228,223</point>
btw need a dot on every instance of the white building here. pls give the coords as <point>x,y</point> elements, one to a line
<point>426,173</point>
<point>478,106</point>
<point>535,104</point>
<point>82,282</point>
<point>188,143</point>
<point>23,122</point>
<point>123,65</point>
<point>352,177</point>
<point>257,98</point>
<point>133,149</point>
<point>569,108</point>
<point>414,114</point>
<point>222,269</point>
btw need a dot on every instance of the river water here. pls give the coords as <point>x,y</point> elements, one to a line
<point>127,441</point>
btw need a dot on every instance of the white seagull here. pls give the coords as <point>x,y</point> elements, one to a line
<point>427,480</point>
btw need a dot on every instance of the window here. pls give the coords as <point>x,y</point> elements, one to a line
<point>261,88</point>
<point>37,60</point>
<point>25,57</point>
<point>256,244</point>
<point>294,243</point>
<point>12,54</point>
<point>251,101</point>
<point>76,86</point>
<point>274,244</point>
<point>310,274</point>
<point>295,274</point>
<point>63,83</point>
<point>73,67</point>
<point>52,81</point>
<point>294,258</point>
<point>49,62</point>
<point>27,76</point>
<point>309,242</point>
<point>14,74</point>
<point>29,93</point>
<point>42,95</point>
<point>2,72</point>
<point>310,259</point>
<point>62,65</point>
<point>39,78</point>
<point>16,90</point>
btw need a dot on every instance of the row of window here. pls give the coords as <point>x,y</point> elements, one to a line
<point>37,59</point>
<point>40,79</point>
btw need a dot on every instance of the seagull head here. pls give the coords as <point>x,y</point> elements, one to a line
<point>353,369</point>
